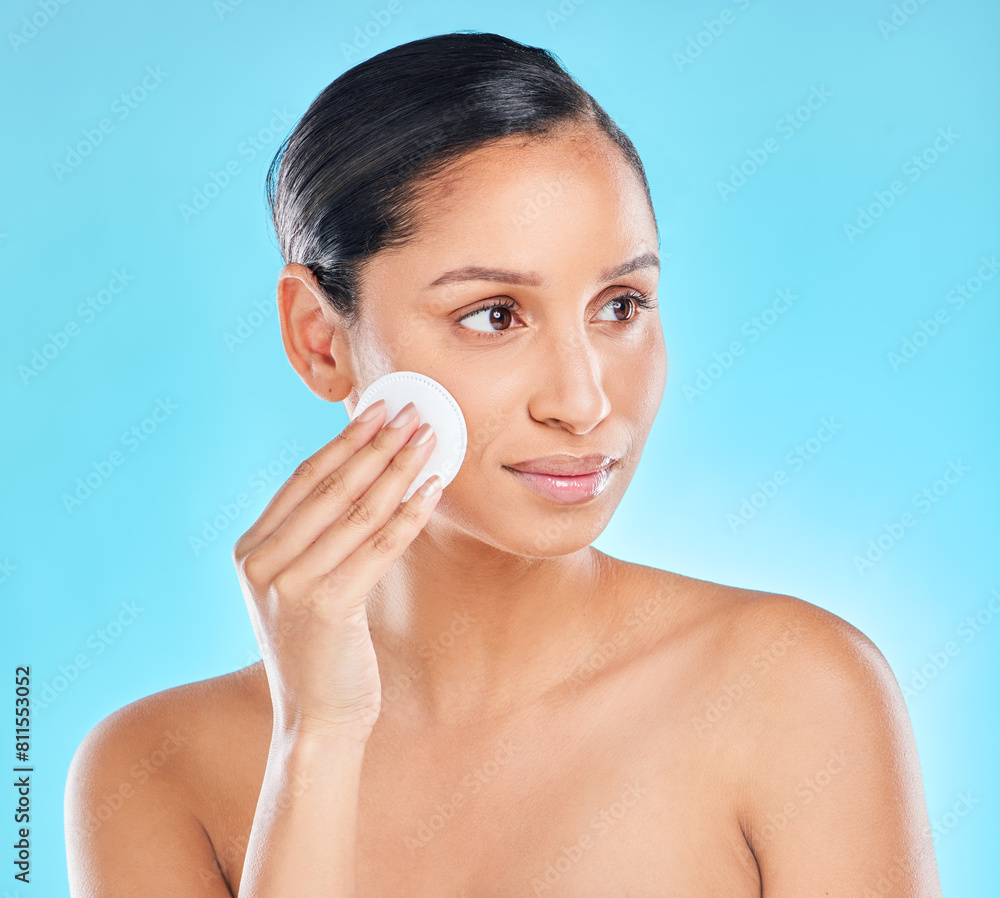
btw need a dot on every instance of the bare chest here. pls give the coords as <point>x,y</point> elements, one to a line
<point>613,805</point>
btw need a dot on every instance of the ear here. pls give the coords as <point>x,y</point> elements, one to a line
<point>314,335</point>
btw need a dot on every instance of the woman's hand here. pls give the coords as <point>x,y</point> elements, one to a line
<point>308,562</point>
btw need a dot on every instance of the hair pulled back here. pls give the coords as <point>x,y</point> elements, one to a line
<point>345,183</point>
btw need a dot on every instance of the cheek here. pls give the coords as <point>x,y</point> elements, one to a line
<point>490,404</point>
<point>374,354</point>
<point>649,381</point>
<point>484,428</point>
<point>479,485</point>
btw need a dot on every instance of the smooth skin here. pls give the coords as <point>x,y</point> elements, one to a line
<point>465,698</point>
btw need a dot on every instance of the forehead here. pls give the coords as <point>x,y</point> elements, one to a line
<point>512,180</point>
<point>563,204</point>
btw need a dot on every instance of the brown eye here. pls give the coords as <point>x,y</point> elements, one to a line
<point>498,313</point>
<point>625,306</point>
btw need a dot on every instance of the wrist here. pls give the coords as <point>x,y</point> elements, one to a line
<point>287,735</point>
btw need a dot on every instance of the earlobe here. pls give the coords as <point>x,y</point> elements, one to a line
<point>314,336</point>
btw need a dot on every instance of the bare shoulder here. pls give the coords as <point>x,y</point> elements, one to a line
<point>141,782</point>
<point>171,731</point>
<point>808,717</point>
<point>760,664</point>
<point>805,654</point>
<point>750,631</point>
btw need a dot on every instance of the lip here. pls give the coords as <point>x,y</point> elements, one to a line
<point>566,490</point>
<point>564,465</point>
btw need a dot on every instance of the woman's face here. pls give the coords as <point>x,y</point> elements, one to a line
<point>572,367</point>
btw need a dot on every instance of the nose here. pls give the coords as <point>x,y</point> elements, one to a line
<point>568,391</point>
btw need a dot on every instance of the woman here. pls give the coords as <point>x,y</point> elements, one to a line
<point>459,695</point>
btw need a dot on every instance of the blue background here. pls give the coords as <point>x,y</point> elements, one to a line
<point>231,80</point>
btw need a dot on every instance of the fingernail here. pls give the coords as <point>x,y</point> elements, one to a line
<point>421,435</point>
<point>373,410</point>
<point>405,413</point>
<point>431,487</point>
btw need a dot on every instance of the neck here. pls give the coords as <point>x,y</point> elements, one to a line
<point>465,632</point>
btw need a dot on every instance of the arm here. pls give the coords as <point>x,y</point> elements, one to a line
<point>304,835</point>
<point>838,805</point>
<point>130,832</point>
<point>306,567</point>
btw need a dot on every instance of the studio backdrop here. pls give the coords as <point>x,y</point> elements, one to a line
<point>826,179</point>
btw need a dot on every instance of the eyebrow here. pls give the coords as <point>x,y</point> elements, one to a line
<point>532,279</point>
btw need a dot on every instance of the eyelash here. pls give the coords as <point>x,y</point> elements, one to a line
<point>642,301</point>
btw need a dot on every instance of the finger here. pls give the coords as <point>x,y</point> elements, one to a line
<point>369,513</point>
<point>306,475</point>
<point>341,492</point>
<point>347,585</point>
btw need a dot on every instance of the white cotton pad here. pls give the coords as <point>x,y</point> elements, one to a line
<point>436,406</point>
